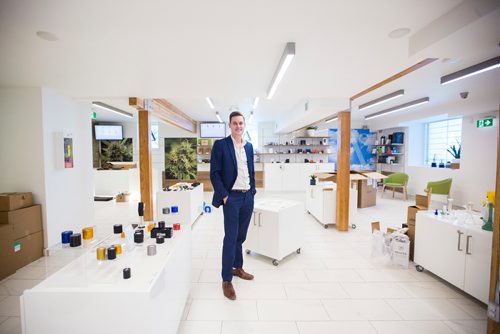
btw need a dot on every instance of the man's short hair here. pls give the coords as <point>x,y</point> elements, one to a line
<point>234,114</point>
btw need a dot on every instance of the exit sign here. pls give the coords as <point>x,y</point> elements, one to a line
<point>94,115</point>
<point>484,123</point>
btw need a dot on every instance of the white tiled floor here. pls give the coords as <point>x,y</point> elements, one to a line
<point>331,287</point>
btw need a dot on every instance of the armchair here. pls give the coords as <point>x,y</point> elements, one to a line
<point>396,180</point>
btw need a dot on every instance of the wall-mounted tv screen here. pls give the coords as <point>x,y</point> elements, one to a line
<point>108,132</point>
<point>212,130</point>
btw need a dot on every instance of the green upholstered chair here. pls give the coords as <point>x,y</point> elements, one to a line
<point>441,187</point>
<point>396,180</point>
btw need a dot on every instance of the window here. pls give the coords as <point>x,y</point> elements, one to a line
<point>440,136</point>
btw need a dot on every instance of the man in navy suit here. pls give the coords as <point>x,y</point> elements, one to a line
<point>233,178</point>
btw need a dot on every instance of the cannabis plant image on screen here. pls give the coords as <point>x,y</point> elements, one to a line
<point>116,150</point>
<point>180,158</point>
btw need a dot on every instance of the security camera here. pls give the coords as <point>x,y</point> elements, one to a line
<point>464,95</point>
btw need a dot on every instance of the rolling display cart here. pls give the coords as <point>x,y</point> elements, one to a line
<point>276,229</point>
<point>321,203</point>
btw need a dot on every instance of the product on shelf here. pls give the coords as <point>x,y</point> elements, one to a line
<point>127,273</point>
<point>151,250</point>
<point>101,253</point>
<point>75,240</point>
<point>65,237</point>
<point>88,233</point>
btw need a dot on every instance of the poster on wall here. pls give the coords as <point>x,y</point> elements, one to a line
<point>68,152</point>
<point>180,158</point>
<point>362,144</point>
<point>117,150</point>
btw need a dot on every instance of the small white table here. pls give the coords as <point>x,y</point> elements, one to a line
<point>87,296</point>
<point>189,202</point>
<point>276,229</point>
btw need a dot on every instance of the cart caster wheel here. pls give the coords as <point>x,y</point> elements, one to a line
<point>325,226</point>
<point>298,251</point>
<point>276,262</point>
<point>419,268</point>
<point>248,251</point>
<point>353,226</point>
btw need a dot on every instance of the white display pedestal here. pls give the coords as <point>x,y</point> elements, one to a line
<point>88,296</point>
<point>190,203</point>
<point>321,202</point>
<point>276,229</point>
<point>457,250</point>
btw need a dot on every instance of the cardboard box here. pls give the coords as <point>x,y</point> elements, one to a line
<point>14,201</point>
<point>367,194</point>
<point>7,266</point>
<point>24,221</point>
<point>27,249</point>
<point>422,203</point>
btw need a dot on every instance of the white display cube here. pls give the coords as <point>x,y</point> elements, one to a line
<point>189,202</point>
<point>276,229</point>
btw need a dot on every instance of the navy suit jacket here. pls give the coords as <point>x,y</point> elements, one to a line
<point>224,169</point>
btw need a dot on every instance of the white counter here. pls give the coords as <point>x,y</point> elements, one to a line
<point>87,296</point>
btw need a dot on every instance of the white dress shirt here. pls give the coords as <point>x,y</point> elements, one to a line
<point>243,178</point>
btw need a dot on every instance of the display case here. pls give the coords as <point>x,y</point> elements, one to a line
<point>91,296</point>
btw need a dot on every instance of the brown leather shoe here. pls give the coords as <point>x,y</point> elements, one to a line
<point>242,274</point>
<point>227,288</point>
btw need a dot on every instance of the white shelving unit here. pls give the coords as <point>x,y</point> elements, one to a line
<point>295,149</point>
<point>391,156</point>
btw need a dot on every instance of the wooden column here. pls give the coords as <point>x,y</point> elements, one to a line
<point>343,170</point>
<point>494,327</point>
<point>145,164</point>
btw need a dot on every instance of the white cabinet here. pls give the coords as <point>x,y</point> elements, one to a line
<point>458,252</point>
<point>292,176</point>
<point>321,202</point>
<point>283,177</point>
<point>276,229</point>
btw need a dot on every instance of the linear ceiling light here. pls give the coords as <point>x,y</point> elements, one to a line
<point>398,108</point>
<point>112,109</point>
<point>255,103</point>
<point>470,71</point>
<point>334,118</point>
<point>382,99</point>
<point>210,103</point>
<point>286,59</point>
<point>218,116</point>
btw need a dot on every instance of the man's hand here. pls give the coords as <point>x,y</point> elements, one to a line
<point>225,199</point>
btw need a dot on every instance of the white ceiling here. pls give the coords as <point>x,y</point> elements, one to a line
<point>228,50</point>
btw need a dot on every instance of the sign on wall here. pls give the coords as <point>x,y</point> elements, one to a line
<point>484,122</point>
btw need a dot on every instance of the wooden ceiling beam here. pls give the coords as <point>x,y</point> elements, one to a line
<point>396,76</point>
<point>165,111</point>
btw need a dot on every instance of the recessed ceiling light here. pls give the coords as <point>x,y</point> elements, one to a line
<point>47,36</point>
<point>398,33</point>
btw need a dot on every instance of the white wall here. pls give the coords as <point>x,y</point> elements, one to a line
<point>477,173</point>
<point>21,142</point>
<point>69,192</point>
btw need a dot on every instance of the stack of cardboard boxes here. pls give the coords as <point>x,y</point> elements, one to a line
<point>21,235</point>
<point>422,203</point>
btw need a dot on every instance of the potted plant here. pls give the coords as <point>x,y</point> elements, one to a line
<point>311,130</point>
<point>312,182</point>
<point>455,152</point>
